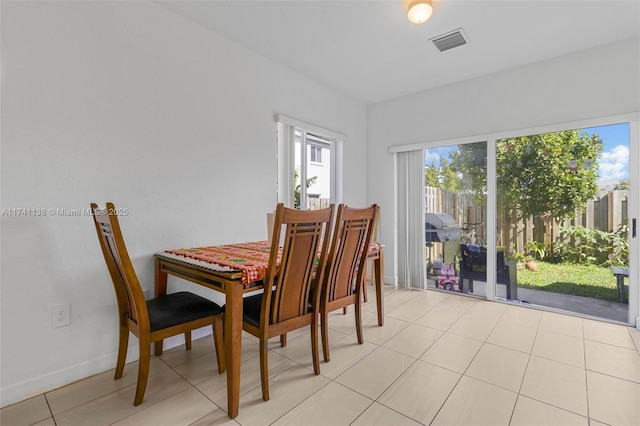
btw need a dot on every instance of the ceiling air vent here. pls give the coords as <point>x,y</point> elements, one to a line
<point>450,40</point>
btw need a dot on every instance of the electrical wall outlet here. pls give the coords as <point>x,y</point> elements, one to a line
<point>61,315</point>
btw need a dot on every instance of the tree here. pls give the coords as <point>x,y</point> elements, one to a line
<point>297,190</point>
<point>431,176</point>
<point>470,163</point>
<point>444,177</point>
<point>623,184</point>
<point>449,177</point>
<point>550,174</point>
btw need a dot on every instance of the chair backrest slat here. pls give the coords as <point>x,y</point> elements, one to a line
<point>289,288</point>
<point>349,248</point>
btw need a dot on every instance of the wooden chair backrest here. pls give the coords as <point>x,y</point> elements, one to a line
<point>376,224</point>
<point>131,303</point>
<point>290,288</point>
<point>349,248</point>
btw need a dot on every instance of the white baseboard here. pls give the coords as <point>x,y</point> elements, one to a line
<point>37,385</point>
<point>47,382</point>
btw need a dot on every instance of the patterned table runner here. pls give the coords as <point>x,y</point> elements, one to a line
<point>251,259</point>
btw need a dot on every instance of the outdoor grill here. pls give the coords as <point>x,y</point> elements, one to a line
<point>440,227</point>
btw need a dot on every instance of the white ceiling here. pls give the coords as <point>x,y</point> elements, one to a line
<point>368,50</point>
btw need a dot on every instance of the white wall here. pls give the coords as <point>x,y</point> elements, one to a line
<point>126,102</point>
<point>600,82</point>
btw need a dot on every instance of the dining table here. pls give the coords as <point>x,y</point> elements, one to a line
<point>234,270</point>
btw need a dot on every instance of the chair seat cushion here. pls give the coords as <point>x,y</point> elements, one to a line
<point>179,308</point>
<point>251,307</point>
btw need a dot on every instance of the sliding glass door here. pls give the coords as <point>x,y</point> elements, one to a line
<point>542,217</point>
<point>455,217</point>
<point>555,210</point>
<point>562,220</point>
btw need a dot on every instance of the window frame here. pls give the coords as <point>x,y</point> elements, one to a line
<point>286,128</point>
<point>317,150</point>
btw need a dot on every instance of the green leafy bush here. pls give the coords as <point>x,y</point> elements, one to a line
<point>620,247</point>
<point>537,249</point>
<point>519,257</point>
<point>586,246</point>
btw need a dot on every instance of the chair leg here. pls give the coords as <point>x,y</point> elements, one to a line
<point>218,341</point>
<point>364,284</point>
<point>187,340</point>
<point>324,325</point>
<point>314,348</point>
<point>283,340</point>
<point>264,368</point>
<point>344,310</point>
<point>143,370</point>
<point>359,321</point>
<point>123,343</point>
<point>157,348</point>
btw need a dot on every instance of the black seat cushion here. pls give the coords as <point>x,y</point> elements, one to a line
<point>179,308</point>
<point>251,307</point>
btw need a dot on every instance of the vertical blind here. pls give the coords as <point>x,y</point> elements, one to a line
<point>410,207</point>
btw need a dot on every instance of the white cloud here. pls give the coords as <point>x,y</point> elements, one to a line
<point>614,163</point>
<point>431,157</point>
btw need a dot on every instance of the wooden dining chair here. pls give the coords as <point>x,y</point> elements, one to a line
<point>290,300</point>
<point>344,277</point>
<point>374,238</point>
<point>155,319</point>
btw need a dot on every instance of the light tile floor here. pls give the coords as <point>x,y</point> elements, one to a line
<point>440,359</point>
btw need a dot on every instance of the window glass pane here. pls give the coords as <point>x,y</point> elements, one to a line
<point>562,219</point>
<point>455,217</point>
<point>316,154</point>
<point>318,173</point>
<point>297,169</point>
<point>313,171</point>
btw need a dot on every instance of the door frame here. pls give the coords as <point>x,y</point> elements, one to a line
<point>633,118</point>
<point>633,204</point>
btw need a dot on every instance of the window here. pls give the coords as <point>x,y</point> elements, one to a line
<point>312,181</point>
<point>315,154</point>
<point>309,165</point>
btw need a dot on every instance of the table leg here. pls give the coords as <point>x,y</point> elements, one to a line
<point>378,270</point>
<point>161,290</point>
<point>233,345</point>
<point>161,280</point>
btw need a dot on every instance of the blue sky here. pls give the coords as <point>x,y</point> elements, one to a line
<point>613,163</point>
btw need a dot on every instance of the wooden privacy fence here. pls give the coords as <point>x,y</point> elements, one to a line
<point>459,206</point>
<point>605,212</point>
<point>318,203</point>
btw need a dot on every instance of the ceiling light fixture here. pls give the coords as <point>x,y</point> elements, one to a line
<point>419,11</point>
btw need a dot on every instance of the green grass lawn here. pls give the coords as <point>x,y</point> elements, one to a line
<point>589,281</point>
